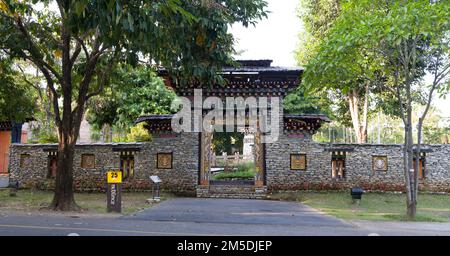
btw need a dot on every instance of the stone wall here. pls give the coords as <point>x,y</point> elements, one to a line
<point>182,177</point>
<point>358,166</point>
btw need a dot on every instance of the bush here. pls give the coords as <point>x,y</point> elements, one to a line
<point>138,134</point>
<point>43,136</point>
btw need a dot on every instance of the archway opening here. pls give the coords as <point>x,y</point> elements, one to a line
<point>233,159</point>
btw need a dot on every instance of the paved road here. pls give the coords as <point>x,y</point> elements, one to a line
<point>188,216</point>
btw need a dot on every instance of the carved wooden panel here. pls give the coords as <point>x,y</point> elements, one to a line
<point>164,161</point>
<point>379,163</point>
<point>88,161</point>
<point>298,162</point>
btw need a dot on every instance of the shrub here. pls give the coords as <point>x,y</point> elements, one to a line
<point>138,134</point>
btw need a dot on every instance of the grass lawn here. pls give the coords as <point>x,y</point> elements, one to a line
<point>373,206</point>
<point>29,200</point>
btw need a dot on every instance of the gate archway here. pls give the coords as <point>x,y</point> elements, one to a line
<point>206,154</point>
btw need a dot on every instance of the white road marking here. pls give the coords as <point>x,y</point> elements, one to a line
<point>373,234</point>
<point>110,230</point>
<point>73,234</point>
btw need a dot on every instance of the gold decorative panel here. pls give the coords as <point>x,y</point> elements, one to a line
<point>164,161</point>
<point>379,163</point>
<point>88,161</point>
<point>298,161</point>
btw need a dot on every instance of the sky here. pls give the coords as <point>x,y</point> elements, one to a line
<point>276,38</point>
<point>273,38</point>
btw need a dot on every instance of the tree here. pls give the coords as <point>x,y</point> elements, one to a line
<point>351,76</point>
<point>75,45</point>
<point>406,39</point>
<point>318,17</point>
<point>226,141</point>
<point>424,38</point>
<point>132,92</point>
<point>16,99</point>
<point>298,102</point>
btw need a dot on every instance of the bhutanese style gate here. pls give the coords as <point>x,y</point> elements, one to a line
<point>253,78</point>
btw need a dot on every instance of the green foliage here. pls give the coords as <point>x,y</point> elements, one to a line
<point>16,98</point>
<point>298,102</point>
<point>45,136</point>
<point>76,45</point>
<point>436,129</point>
<point>352,48</point>
<point>225,141</point>
<point>132,92</point>
<point>363,43</point>
<point>317,17</point>
<point>138,134</point>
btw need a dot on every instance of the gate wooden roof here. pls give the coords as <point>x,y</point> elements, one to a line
<point>291,123</point>
<point>250,78</point>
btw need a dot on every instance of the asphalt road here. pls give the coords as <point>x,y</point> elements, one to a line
<point>205,217</point>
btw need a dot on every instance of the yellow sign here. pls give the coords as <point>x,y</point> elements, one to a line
<point>114,177</point>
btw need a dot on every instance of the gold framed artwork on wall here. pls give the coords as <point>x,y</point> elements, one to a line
<point>298,162</point>
<point>164,160</point>
<point>88,161</point>
<point>379,163</point>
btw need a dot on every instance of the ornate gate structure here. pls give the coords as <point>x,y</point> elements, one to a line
<point>255,80</point>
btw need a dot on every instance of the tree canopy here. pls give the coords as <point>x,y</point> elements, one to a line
<point>16,98</point>
<point>317,17</point>
<point>133,91</point>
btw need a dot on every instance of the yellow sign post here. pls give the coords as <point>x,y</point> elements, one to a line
<point>115,176</point>
<point>114,195</point>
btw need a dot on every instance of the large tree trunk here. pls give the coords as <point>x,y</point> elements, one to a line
<point>63,199</point>
<point>68,129</point>
<point>64,190</point>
